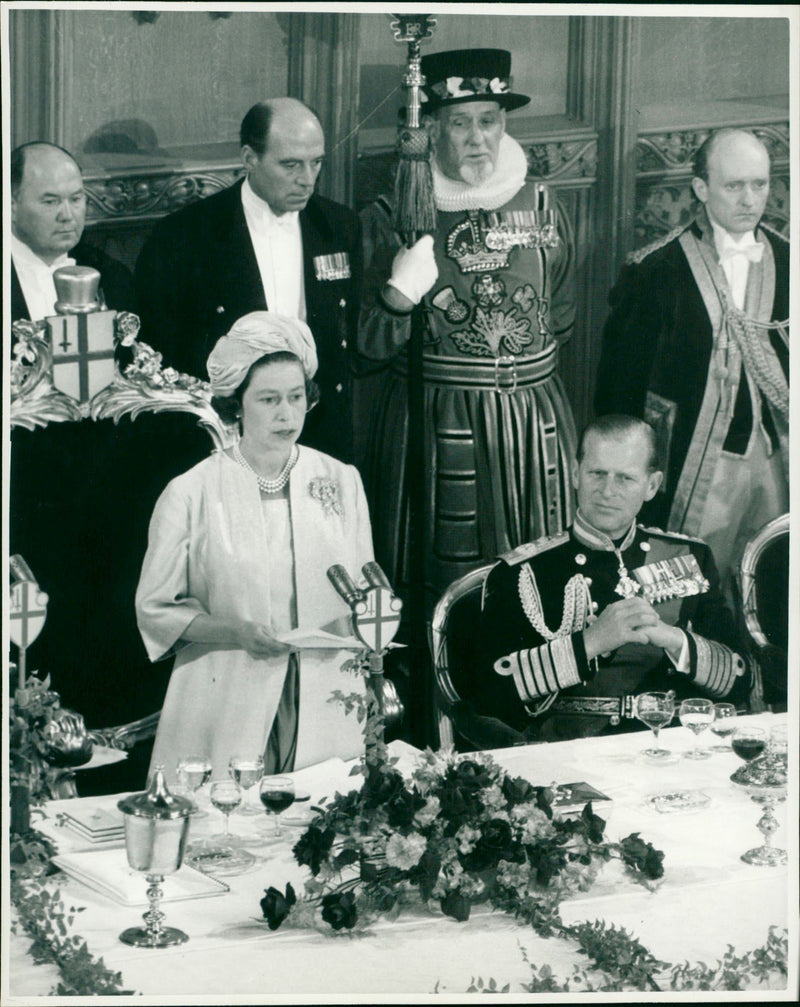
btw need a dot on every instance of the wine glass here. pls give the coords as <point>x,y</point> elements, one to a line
<point>194,771</point>
<point>226,796</point>
<point>697,715</point>
<point>656,710</point>
<point>277,794</point>
<point>247,770</point>
<point>749,742</point>
<point>724,725</point>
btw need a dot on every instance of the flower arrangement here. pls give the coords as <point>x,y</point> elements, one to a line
<point>458,832</point>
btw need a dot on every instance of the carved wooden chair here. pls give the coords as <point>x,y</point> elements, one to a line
<point>764,586</point>
<point>455,646</point>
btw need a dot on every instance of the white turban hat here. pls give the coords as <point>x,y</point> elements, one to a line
<point>249,339</point>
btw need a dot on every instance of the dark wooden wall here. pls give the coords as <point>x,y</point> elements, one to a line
<point>626,102</point>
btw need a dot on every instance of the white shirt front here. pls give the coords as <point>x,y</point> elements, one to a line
<point>278,245</point>
<point>735,266</point>
<point>36,279</point>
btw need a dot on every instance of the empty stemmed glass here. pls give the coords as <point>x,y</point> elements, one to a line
<point>656,710</point>
<point>247,770</point>
<point>724,725</point>
<point>226,796</point>
<point>277,794</point>
<point>696,715</point>
<point>194,771</point>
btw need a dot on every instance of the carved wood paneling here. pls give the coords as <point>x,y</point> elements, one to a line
<point>664,160</point>
<point>147,197</point>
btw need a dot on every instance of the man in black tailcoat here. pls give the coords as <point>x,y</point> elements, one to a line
<point>697,342</point>
<point>575,626</point>
<point>266,243</point>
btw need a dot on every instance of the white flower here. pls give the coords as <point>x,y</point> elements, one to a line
<point>532,822</point>
<point>466,837</point>
<point>429,813</point>
<point>404,852</point>
<point>498,86</point>
<point>493,800</point>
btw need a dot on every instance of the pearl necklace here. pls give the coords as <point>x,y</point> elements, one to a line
<point>268,485</point>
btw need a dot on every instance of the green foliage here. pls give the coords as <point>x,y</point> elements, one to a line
<point>42,914</point>
<point>620,963</point>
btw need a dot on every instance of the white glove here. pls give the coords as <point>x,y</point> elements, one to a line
<point>414,269</point>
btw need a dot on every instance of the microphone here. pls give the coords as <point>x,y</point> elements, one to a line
<point>345,585</point>
<point>374,576</point>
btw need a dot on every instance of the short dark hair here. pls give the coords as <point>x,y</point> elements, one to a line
<point>706,149</point>
<point>229,407</point>
<point>618,425</point>
<point>254,131</point>
<point>19,157</point>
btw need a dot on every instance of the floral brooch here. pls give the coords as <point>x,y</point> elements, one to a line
<point>327,492</point>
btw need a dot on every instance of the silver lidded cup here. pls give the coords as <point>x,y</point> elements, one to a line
<point>156,828</point>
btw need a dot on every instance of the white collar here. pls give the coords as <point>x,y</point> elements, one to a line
<point>504,183</point>
<point>724,239</point>
<point>261,209</point>
<point>25,257</point>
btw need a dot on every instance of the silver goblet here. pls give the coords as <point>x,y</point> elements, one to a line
<point>765,780</point>
<point>156,827</point>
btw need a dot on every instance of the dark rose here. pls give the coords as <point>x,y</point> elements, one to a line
<point>643,857</point>
<point>313,847</point>
<point>470,775</point>
<point>381,788</point>
<point>518,790</point>
<point>494,844</point>
<point>402,807</point>
<point>275,906</point>
<point>459,795</point>
<point>547,859</point>
<point>456,905</point>
<point>339,909</point>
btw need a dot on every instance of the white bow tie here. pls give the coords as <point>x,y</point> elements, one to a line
<point>752,252</point>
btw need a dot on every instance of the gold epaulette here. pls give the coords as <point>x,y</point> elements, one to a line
<point>671,534</point>
<point>775,231</point>
<point>529,549</point>
<point>635,257</point>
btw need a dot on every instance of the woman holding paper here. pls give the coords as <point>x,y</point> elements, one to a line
<point>237,558</point>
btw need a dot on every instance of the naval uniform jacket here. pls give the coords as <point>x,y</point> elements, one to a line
<point>198,273</point>
<point>520,667</point>
<point>658,348</point>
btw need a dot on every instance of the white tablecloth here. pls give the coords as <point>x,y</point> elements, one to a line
<point>708,899</point>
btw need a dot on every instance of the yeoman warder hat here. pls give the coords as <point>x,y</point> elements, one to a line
<point>462,75</point>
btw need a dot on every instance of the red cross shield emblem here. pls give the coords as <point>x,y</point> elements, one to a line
<point>376,619</point>
<point>83,352</point>
<point>27,613</point>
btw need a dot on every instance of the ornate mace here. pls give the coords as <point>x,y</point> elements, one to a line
<point>414,216</point>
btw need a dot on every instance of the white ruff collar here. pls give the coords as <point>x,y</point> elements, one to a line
<point>505,182</point>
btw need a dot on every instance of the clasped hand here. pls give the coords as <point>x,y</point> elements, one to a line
<point>631,620</point>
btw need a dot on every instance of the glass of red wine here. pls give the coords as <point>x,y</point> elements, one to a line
<point>277,794</point>
<point>749,742</point>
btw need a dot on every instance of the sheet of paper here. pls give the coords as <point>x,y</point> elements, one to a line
<point>319,639</point>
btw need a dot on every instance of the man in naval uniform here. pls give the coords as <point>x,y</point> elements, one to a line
<point>496,279</point>
<point>697,343</point>
<point>575,626</point>
<point>268,242</point>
